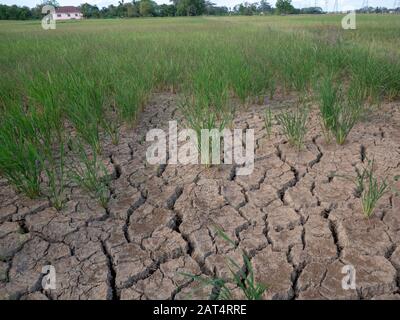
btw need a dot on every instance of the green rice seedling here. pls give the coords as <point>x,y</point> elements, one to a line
<point>241,276</point>
<point>110,117</point>
<point>372,189</point>
<point>368,188</point>
<point>240,55</point>
<point>241,80</point>
<point>204,105</point>
<point>85,108</point>
<point>200,115</point>
<point>30,133</point>
<point>111,127</point>
<point>90,173</point>
<point>111,121</point>
<point>346,117</point>
<point>54,168</point>
<point>87,125</point>
<point>338,115</point>
<point>19,164</point>
<point>259,83</point>
<point>272,88</point>
<point>43,92</point>
<point>169,71</point>
<point>268,119</point>
<point>294,126</point>
<point>52,155</point>
<point>370,73</point>
<point>297,72</point>
<point>130,96</point>
<point>210,87</point>
<point>20,152</point>
<point>327,107</point>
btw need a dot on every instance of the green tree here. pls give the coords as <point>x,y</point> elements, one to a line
<point>190,7</point>
<point>167,10</point>
<point>89,11</point>
<point>53,3</point>
<point>147,8</point>
<point>264,7</point>
<point>284,6</point>
<point>132,10</point>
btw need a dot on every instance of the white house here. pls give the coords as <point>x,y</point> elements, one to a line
<point>67,13</point>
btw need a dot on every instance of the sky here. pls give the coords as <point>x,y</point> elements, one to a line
<point>343,4</point>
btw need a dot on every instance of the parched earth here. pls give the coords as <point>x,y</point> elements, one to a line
<point>297,219</point>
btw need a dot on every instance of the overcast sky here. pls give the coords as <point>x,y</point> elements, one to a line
<point>229,3</point>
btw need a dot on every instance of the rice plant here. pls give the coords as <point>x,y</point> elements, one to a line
<point>242,276</point>
<point>200,115</point>
<point>205,106</point>
<point>83,82</point>
<point>54,168</point>
<point>372,189</point>
<point>20,152</point>
<point>329,100</point>
<point>85,108</point>
<point>19,163</point>
<point>369,188</point>
<point>294,126</point>
<point>339,115</point>
<point>268,119</point>
<point>89,172</point>
<point>241,80</point>
<point>110,122</point>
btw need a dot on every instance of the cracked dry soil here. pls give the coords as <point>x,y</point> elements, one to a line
<point>297,220</point>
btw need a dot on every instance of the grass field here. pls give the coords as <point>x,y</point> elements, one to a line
<point>93,75</point>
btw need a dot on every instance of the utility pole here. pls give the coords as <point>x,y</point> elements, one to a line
<point>336,6</point>
<point>396,4</point>
<point>365,4</point>
<point>326,5</point>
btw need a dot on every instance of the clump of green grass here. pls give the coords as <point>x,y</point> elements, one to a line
<point>239,59</point>
<point>294,126</point>
<point>328,98</point>
<point>19,162</point>
<point>110,122</point>
<point>268,119</point>
<point>30,137</point>
<point>20,150</point>
<point>241,276</point>
<point>90,173</point>
<point>200,115</point>
<point>339,115</point>
<point>130,96</point>
<point>47,118</point>
<point>370,188</point>
<point>54,168</point>
<point>204,105</point>
<point>240,80</point>
<point>84,106</point>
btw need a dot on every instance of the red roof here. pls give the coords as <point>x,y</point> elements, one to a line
<point>67,9</point>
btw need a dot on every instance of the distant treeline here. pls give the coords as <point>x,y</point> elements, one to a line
<point>149,8</point>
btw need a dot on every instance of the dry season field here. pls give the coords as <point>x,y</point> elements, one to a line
<point>77,192</point>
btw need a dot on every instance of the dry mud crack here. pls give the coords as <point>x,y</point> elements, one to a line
<point>297,220</point>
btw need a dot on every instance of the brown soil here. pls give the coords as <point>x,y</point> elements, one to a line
<point>298,221</point>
